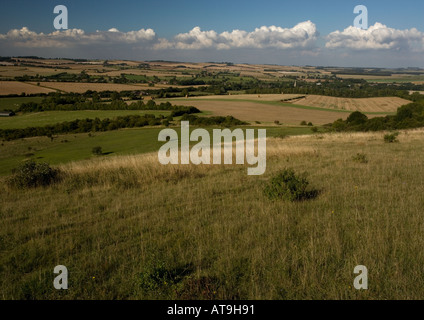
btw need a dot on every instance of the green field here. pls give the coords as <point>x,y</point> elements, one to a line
<point>40,119</point>
<point>398,79</point>
<point>14,103</point>
<point>73,147</point>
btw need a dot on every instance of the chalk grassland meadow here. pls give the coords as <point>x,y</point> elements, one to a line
<point>129,228</point>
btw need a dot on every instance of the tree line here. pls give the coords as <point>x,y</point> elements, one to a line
<point>82,126</point>
<point>407,117</point>
<point>75,103</point>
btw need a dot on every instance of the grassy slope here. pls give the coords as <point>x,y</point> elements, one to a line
<point>210,232</point>
<point>40,119</point>
<point>79,146</point>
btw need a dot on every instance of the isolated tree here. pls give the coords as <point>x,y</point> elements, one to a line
<point>97,151</point>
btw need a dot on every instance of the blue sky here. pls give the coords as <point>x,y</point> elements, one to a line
<point>172,21</point>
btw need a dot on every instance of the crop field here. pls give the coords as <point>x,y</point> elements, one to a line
<point>15,71</point>
<point>118,222</point>
<point>386,104</point>
<point>15,87</point>
<point>269,108</point>
<point>256,111</point>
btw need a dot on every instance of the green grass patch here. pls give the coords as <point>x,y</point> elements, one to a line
<point>14,103</point>
<point>41,119</point>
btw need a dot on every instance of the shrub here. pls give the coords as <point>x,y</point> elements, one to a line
<point>277,122</point>
<point>281,135</point>
<point>314,129</point>
<point>32,174</point>
<point>97,151</point>
<point>289,186</point>
<point>310,124</point>
<point>159,279</point>
<point>360,157</point>
<point>391,137</point>
<point>303,123</point>
<point>356,118</point>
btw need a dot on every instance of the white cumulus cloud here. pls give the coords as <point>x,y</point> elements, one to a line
<point>376,37</point>
<point>303,35</point>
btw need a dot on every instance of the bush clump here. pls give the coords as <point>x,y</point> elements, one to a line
<point>360,157</point>
<point>391,137</point>
<point>97,151</point>
<point>31,174</point>
<point>288,185</point>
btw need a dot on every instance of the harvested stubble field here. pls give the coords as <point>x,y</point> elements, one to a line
<point>210,232</point>
<point>386,104</point>
<point>256,111</point>
<point>269,108</point>
<point>15,87</point>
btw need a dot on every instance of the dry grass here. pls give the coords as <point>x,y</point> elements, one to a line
<point>389,104</point>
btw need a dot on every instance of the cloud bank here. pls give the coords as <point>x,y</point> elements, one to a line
<point>303,35</point>
<point>300,44</point>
